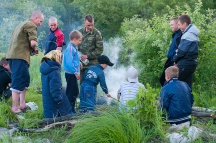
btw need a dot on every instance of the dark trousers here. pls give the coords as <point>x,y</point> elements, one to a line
<point>72,90</point>
<point>186,74</point>
<point>6,94</point>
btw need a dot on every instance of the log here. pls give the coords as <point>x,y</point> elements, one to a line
<point>203,114</point>
<point>48,121</point>
<point>70,124</point>
<point>201,109</point>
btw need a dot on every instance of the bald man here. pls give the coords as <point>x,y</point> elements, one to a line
<point>23,43</point>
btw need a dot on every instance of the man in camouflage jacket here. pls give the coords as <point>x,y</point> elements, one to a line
<point>91,46</point>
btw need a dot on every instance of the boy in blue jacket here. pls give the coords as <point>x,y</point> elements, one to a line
<point>71,65</point>
<point>92,77</point>
<point>176,97</point>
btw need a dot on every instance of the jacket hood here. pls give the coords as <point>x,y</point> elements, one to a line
<point>2,69</point>
<point>193,29</point>
<point>47,66</point>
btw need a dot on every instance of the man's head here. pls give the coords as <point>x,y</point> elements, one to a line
<point>171,72</point>
<point>174,24</point>
<point>104,61</point>
<point>37,17</point>
<point>4,63</point>
<point>132,74</point>
<point>53,23</point>
<point>183,22</point>
<point>89,22</point>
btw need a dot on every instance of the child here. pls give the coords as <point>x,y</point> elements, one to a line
<point>5,76</point>
<point>55,39</point>
<point>176,97</point>
<point>93,75</point>
<point>55,102</point>
<point>71,65</point>
<point>128,90</point>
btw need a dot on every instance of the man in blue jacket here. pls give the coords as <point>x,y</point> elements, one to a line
<point>176,97</point>
<point>176,37</point>
<point>187,53</point>
<point>93,76</point>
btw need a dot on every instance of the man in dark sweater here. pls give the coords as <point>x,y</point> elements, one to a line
<point>5,76</point>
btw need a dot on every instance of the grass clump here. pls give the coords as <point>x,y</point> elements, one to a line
<point>110,127</point>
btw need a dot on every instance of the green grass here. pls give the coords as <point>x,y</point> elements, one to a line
<point>111,126</point>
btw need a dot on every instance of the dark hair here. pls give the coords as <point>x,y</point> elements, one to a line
<point>3,61</point>
<point>89,18</point>
<point>185,18</point>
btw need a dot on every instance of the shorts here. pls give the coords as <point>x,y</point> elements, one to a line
<point>19,74</point>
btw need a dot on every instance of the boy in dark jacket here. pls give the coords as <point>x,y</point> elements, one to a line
<point>55,102</point>
<point>5,76</point>
<point>55,39</point>
<point>93,76</point>
<point>176,97</point>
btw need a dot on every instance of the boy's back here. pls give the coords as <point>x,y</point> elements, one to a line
<point>129,90</point>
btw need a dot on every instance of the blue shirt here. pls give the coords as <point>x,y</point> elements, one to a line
<point>71,62</point>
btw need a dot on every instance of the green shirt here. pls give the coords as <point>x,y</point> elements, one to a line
<point>91,45</point>
<point>20,43</point>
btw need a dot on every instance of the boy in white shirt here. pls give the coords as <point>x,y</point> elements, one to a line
<point>128,90</point>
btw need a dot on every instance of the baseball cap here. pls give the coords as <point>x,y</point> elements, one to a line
<point>103,59</point>
<point>132,74</point>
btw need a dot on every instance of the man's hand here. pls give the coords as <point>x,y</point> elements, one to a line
<point>108,95</point>
<point>83,57</point>
<point>59,48</point>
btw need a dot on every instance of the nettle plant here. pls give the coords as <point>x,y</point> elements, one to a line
<point>148,110</point>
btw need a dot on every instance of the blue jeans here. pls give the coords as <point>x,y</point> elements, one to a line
<point>87,97</point>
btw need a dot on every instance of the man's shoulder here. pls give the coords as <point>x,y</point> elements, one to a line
<point>28,23</point>
<point>59,32</point>
<point>96,31</point>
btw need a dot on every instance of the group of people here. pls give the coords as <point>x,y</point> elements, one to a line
<point>176,96</point>
<point>83,60</point>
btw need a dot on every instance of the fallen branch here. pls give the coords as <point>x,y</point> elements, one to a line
<point>201,109</point>
<point>48,121</point>
<point>70,124</point>
<point>203,114</point>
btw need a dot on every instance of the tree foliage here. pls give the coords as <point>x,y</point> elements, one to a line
<point>150,41</point>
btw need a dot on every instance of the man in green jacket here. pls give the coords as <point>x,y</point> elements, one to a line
<point>91,46</point>
<point>23,43</point>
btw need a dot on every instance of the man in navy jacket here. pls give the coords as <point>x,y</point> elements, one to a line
<point>176,37</point>
<point>176,97</point>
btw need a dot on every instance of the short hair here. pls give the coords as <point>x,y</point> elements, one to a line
<point>185,18</point>
<point>172,71</point>
<point>53,19</point>
<point>174,19</point>
<point>89,18</point>
<point>3,61</point>
<point>37,13</point>
<point>75,34</point>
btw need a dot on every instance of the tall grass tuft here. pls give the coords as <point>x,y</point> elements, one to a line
<point>110,127</point>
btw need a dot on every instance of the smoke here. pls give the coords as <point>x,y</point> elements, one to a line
<point>116,74</point>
